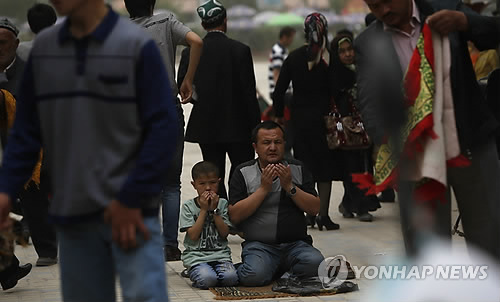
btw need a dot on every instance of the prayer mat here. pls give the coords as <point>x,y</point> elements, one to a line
<point>267,292</point>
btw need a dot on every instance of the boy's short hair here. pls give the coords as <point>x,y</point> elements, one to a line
<point>204,168</point>
<point>268,125</point>
<point>139,8</point>
<point>287,31</point>
<point>41,16</point>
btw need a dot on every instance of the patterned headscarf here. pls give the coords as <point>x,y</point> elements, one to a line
<point>316,30</point>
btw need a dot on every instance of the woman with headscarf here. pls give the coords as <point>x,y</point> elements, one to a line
<point>343,85</point>
<point>307,69</point>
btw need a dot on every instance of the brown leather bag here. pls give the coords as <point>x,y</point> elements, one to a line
<point>345,133</point>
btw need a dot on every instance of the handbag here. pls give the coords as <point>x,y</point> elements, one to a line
<point>345,133</point>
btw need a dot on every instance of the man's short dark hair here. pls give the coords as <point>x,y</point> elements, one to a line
<point>204,168</point>
<point>41,16</point>
<point>268,125</point>
<point>139,8</point>
<point>287,31</point>
<point>215,22</point>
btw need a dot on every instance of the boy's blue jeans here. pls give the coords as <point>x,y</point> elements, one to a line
<point>212,274</point>
<point>90,260</point>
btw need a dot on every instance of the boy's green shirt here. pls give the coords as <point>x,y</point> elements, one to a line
<point>211,246</point>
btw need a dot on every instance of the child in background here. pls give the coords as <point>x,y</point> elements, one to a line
<point>206,222</point>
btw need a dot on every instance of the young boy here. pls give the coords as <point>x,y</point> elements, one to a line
<point>205,220</point>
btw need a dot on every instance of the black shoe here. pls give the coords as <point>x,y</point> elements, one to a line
<point>380,199</point>
<point>20,273</point>
<point>185,273</point>
<point>325,221</point>
<point>344,212</point>
<point>46,261</point>
<point>311,220</point>
<point>172,253</point>
<point>350,272</point>
<point>348,215</point>
<point>367,217</point>
<point>387,196</point>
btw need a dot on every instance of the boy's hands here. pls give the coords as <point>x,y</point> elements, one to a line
<point>204,201</point>
<point>124,224</point>
<point>208,201</point>
<point>214,201</point>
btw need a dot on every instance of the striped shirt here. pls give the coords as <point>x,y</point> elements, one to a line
<point>276,58</point>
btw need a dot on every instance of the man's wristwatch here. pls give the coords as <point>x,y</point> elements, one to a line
<point>293,191</point>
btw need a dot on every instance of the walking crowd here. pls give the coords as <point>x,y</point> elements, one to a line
<point>92,135</point>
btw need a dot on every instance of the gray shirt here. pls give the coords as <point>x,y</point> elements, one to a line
<point>278,219</point>
<point>168,32</point>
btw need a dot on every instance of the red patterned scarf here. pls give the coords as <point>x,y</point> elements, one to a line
<point>417,134</point>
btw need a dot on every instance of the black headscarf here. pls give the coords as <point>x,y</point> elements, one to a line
<point>342,77</point>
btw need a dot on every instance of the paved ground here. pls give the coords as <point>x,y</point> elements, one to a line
<point>363,243</point>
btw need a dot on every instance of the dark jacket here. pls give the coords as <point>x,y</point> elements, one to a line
<point>226,109</point>
<point>342,80</point>
<point>14,75</point>
<point>380,97</point>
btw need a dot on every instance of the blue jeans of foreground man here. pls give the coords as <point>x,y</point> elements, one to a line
<point>171,194</point>
<point>262,261</point>
<point>90,260</point>
<point>212,274</point>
